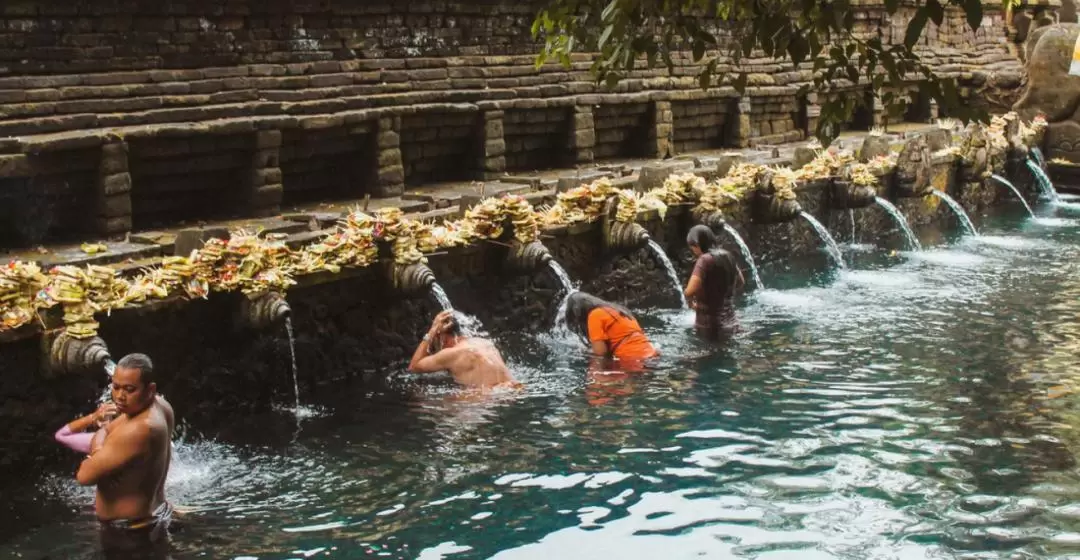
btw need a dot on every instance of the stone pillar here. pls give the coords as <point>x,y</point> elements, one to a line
<point>662,137</point>
<point>813,114</point>
<point>390,177</point>
<point>742,120</point>
<point>582,135</point>
<point>881,116</point>
<point>114,190</point>
<point>266,190</point>
<point>493,154</point>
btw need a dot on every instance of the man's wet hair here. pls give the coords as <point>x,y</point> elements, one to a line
<point>142,363</point>
<point>453,327</point>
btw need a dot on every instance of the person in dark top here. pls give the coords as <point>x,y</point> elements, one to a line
<point>713,284</point>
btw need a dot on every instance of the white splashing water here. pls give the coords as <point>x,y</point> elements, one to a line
<point>851,216</point>
<point>106,394</point>
<point>470,325</point>
<point>441,297</point>
<point>958,210</point>
<point>568,290</point>
<point>1015,191</point>
<point>830,244</point>
<point>901,221</point>
<point>747,256</point>
<point>660,254</point>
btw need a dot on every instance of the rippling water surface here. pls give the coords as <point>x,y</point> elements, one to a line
<point>918,405</point>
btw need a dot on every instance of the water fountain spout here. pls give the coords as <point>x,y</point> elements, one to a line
<point>913,169</point>
<point>622,236</point>
<point>846,195</point>
<point>264,310</point>
<point>528,257</point>
<point>713,220</point>
<point>71,355</point>
<point>768,207</point>
<point>411,278</point>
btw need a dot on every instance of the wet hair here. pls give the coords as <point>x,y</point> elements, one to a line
<point>701,236</point>
<point>453,327</point>
<point>721,272</point>
<point>142,363</point>
<point>578,307</point>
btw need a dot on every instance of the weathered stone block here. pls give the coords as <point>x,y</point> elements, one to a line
<point>263,177</point>
<point>267,139</point>
<point>114,206</point>
<point>494,148</point>
<point>16,165</point>
<point>117,184</point>
<point>267,196</point>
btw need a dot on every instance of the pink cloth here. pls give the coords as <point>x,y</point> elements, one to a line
<point>76,441</point>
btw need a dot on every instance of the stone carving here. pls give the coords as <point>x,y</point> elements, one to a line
<point>263,311</point>
<point>846,195</point>
<point>1051,91</point>
<point>913,169</point>
<point>974,155</point>
<point>70,355</point>
<point>622,236</point>
<point>527,257</point>
<point>411,278</point>
<point>772,205</point>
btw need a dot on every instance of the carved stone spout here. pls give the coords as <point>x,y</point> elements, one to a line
<point>770,206</point>
<point>70,355</point>
<point>712,220</point>
<point>622,236</point>
<point>846,195</point>
<point>528,257</point>
<point>411,278</point>
<point>913,169</point>
<point>264,311</point>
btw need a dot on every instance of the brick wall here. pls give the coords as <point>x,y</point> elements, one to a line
<point>438,147</point>
<point>332,164</point>
<point>538,138</point>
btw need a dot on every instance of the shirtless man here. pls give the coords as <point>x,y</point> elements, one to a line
<point>129,461</point>
<point>473,362</point>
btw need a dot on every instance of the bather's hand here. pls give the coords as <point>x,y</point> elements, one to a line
<point>442,320</point>
<point>104,414</point>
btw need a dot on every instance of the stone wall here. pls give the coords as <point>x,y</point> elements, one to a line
<point>336,163</point>
<point>440,86</point>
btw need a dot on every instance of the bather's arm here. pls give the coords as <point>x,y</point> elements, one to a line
<point>74,435</point>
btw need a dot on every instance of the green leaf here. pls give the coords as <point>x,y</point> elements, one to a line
<point>604,36</point>
<point>936,11</point>
<point>739,83</point>
<point>915,27</point>
<point>974,11</point>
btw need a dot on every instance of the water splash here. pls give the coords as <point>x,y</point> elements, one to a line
<point>901,221</point>
<point>1046,186</point>
<point>660,254</point>
<point>441,297</point>
<point>568,290</point>
<point>292,356</point>
<point>1015,191</point>
<point>106,394</point>
<point>830,244</point>
<point>470,325</point>
<point>749,258</point>
<point>965,221</point>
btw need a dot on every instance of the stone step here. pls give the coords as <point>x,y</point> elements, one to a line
<point>123,105</point>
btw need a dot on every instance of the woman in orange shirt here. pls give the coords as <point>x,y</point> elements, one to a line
<point>608,328</point>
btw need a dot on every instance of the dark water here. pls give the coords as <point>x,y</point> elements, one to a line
<point>913,406</point>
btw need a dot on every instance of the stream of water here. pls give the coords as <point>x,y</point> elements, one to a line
<point>1046,186</point>
<point>912,240</point>
<point>830,244</point>
<point>965,220</point>
<point>748,257</point>
<point>676,285</point>
<point>567,290</point>
<point>1015,191</point>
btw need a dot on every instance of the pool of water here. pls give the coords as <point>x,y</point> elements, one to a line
<point>917,405</point>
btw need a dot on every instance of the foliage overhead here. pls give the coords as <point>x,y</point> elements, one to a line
<point>817,35</point>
